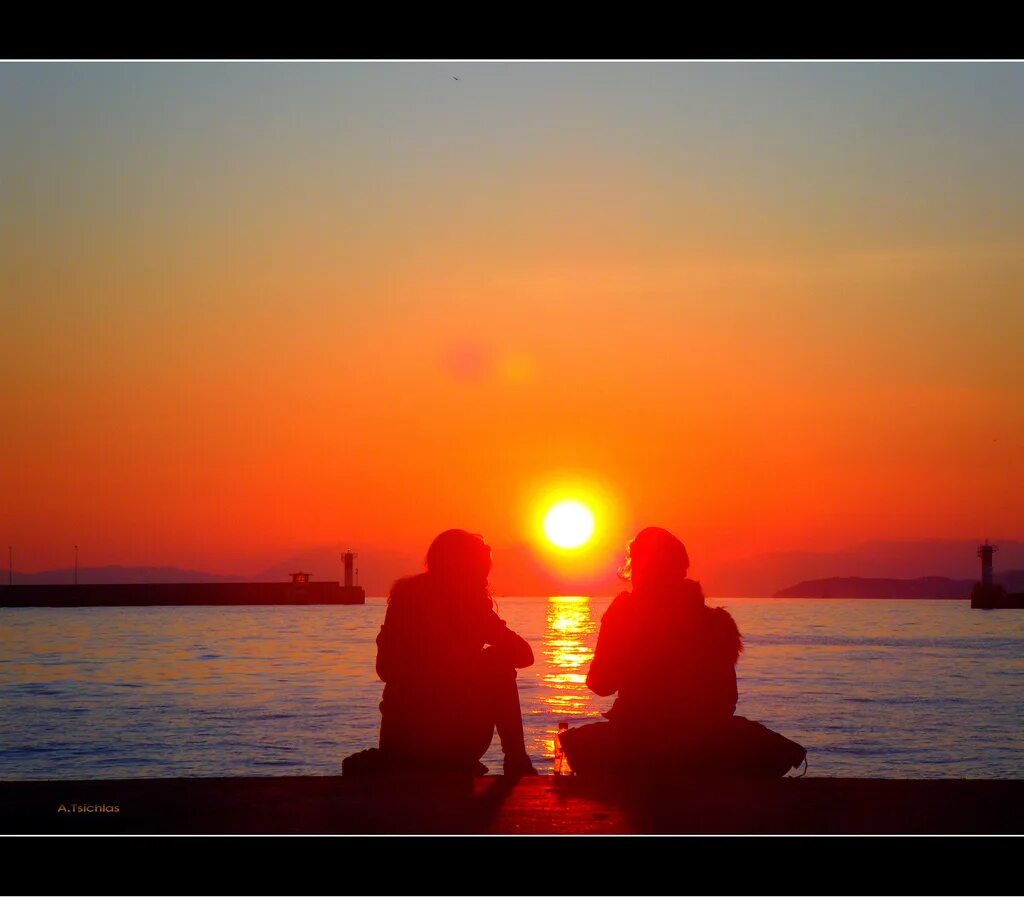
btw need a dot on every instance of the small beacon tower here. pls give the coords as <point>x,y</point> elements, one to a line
<point>349,559</point>
<point>985,553</point>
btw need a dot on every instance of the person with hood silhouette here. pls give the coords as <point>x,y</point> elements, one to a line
<point>672,660</point>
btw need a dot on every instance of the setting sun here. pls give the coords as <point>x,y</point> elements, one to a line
<point>569,524</point>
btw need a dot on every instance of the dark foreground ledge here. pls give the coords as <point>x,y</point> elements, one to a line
<point>536,805</point>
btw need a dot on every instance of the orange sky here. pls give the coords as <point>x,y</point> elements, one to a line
<point>252,309</point>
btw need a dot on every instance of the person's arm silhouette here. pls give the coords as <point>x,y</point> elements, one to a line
<point>384,654</point>
<point>720,683</point>
<point>730,692</point>
<point>605,672</point>
<point>511,647</point>
<point>390,640</point>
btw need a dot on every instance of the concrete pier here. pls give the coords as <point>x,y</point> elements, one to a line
<point>180,594</point>
<point>493,805</point>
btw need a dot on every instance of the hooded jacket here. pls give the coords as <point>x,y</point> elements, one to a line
<point>671,658</point>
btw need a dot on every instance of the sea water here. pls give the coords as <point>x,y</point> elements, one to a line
<point>895,689</point>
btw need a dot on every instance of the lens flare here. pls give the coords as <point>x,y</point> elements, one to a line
<point>569,524</point>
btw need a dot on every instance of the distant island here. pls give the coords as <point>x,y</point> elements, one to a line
<point>925,587</point>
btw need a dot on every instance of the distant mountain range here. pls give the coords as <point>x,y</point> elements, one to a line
<point>922,587</point>
<point>767,574</point>
<point>518,570</point>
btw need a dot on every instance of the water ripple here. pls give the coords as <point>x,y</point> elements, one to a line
<point>880,688</point>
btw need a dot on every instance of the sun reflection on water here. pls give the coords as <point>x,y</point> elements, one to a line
<point>569,636</point>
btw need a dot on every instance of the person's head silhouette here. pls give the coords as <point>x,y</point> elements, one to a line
<point>459,558</point>
<point>655,559</point>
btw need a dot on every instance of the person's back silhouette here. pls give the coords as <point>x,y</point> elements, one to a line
<point>671,658</point>
<point>449,664</point>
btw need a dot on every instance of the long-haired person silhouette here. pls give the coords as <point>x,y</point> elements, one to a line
<point>672,660</point>
<point>449,664</point>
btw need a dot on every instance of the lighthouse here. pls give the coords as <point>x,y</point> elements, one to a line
<point>349,559</point>
<point>985,553</point>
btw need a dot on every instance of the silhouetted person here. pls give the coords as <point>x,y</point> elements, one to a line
<point>449,666</point>
<point>672,660</point>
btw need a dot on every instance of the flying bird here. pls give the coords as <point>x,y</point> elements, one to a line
<point>454,78</point>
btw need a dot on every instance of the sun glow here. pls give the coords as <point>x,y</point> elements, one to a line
<point>569,524</point>
<point>575,524</point>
